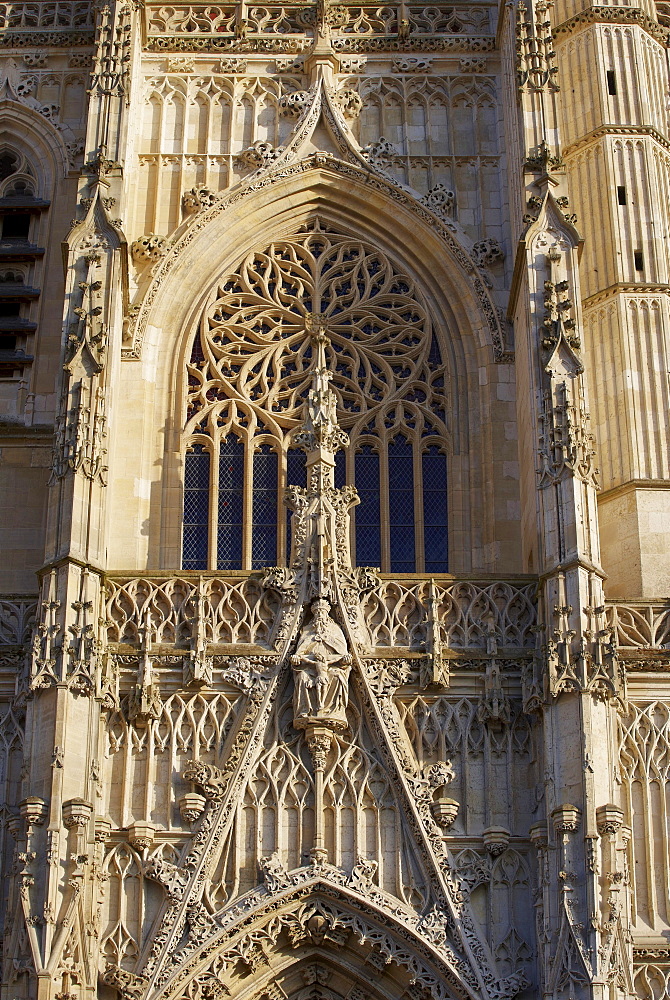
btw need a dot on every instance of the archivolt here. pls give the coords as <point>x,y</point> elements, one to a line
<point>344,194</point>
<point>27,131</point>
<point>269,934</point>
<point>366,208</point>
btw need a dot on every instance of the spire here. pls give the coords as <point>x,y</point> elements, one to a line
<point>320,435</point>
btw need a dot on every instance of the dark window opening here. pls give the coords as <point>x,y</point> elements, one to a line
<point>621,195</point>
<point>435,528</point>
<point>368,520</point>
<point>16,227</point>
<point>7,343</point>
<point>9,308</point>
<point>8,163</point>
<point>639,260</point>
<point>611,82</point>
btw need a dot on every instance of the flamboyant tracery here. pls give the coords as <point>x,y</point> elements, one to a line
<point>249,373</point>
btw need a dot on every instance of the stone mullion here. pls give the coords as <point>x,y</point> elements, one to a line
<point>229,156</point>
<point>650,851</point>
<point>665,847</point>
<point>182,169</point>
<point>213,540</point>
<point>127,785</point>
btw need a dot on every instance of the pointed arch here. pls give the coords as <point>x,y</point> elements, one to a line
<point>42,145</point>
<point>366,205</point>
<point>275,935</point>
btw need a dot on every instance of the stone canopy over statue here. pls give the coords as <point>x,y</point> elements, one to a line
<point>321,665</point>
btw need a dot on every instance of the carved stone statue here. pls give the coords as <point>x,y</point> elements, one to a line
<point>321,666</point>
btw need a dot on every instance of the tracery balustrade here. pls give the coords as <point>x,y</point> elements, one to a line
<point>63,14</point>
<point>352,19</point>
<point>236,609</point>
<point>639,624</point>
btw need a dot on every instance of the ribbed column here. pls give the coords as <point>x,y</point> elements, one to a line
<point>614,125</point>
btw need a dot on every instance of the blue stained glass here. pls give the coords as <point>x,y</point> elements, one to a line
<point>340,469</point>
<point>296,467</point>
<point>296,475</point>
<point>264,508</point>
<point>435,530</point>
<point>368,520</point>
<point>196,508</point>
<point>231,504</point>
<point>401,505</point>
<point>434,358</point>
<point>197,356</point>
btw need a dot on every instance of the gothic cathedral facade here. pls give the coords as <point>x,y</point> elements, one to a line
<point>335,470</point>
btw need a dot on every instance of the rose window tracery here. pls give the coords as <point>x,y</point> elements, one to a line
<point>249,373</point>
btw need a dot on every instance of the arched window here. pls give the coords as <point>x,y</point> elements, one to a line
<point>249,373</point>
<point>20,210</point>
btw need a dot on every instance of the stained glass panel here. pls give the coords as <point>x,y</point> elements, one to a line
<point>264,508</point>
<point>435,530</point>
<point>231,503</point>
<point>196,508</point>
<point>368,520</point>
<point>401,505</point>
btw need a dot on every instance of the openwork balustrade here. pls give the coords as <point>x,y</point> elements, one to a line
<point>640,624</point>
<point>17,619</point>
<point>239,610</point>
<point>345,19</point>
<point>66,15</point>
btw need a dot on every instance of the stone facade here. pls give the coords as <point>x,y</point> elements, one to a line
<point>405,268</point>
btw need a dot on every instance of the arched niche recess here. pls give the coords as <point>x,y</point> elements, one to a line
<point>218,240</point>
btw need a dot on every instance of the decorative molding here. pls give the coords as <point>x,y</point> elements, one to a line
<point>634,131</point>
<point>248,188</point>
<point>614,15</point>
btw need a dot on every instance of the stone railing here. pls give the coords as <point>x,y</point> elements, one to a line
<point>640,624</point>
<point>344,19</point>
<point>64,15</point>
<point>17,619</point>
<point>239,610</point>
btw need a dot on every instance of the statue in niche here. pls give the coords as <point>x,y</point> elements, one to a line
<point>321,665</point>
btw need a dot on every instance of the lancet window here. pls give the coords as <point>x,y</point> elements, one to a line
<point>20,209</point>
<point>249,373</point>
